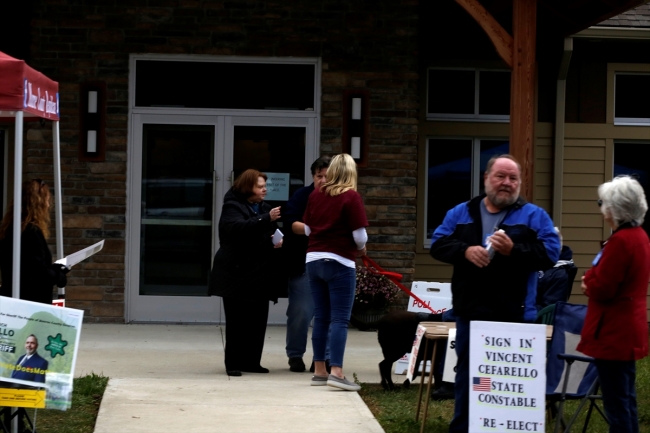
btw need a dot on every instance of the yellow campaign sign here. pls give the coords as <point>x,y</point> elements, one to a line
<point>31,398</point>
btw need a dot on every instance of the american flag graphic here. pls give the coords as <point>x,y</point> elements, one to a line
<point>481,384</point>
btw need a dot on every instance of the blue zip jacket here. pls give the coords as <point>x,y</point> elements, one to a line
<point>506,289</point>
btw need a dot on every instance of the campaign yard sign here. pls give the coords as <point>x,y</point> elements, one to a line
<point>38,349</point>
<point>507,377</point>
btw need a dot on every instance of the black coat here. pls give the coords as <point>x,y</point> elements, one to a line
<point>246,265</point>
<point>37,277</point>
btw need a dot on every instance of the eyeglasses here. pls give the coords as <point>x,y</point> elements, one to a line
<point>600,202</point>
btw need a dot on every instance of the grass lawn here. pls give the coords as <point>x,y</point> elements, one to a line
<point>87,395</point>
<point>395,410</point>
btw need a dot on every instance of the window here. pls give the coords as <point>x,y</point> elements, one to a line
<point>628,159</point>
<point>231,85</point>
<point>455,169</point>
<point>631,105</point>
<point>468,94</point>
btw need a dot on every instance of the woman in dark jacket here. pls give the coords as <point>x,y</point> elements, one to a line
<point>37,272</point>
<point>246,271</point>
<point>615,331</point>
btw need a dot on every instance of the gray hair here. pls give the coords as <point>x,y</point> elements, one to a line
<point>624,200</point>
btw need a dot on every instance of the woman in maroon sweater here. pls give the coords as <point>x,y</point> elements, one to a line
<point>615,332</point>
<point>335,221</point>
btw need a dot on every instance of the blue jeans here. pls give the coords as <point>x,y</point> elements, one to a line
<point>332,287</point>
<point>299,314</point>
<point>460,421</point>
<point>619,394</point>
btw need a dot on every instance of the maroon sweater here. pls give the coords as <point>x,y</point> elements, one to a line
<point>332,221</point>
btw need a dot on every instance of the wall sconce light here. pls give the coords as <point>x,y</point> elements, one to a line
<point>92,122</point>
<point>356,125</point>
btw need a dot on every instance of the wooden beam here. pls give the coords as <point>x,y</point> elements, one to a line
<point>500,38</point>
<point>522,91</point>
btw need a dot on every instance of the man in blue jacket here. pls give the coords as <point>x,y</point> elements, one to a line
<point>301,305</point>
<point>496,283</point>
<point>31,366</point>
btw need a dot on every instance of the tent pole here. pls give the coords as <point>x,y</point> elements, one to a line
<point>58,212</point>
<point>18,186</point>
<point>18,195</point>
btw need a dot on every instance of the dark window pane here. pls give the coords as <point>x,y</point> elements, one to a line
<point>627,160</point>
<point>271,149</point>
<point>176,206</point>
<point>490,148</point>
<point>632,96</point>
<point>494,92</point>
<point>177,172</point>
<point>254,86</point>
<point>449,179</point>
<point>451,92</point>
<point>175,260</point>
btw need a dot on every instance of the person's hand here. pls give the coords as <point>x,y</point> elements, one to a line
<point>501,243</point>
<point>279,244</point>
<point>583,286</point>
<point>59,274</point>
<point>361,252</point>
<point>477,255</point>
<point>275,213</point>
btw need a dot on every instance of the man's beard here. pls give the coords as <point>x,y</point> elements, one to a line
<point>501,202</point>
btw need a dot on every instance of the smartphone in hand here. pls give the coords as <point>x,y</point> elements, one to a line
<point>277,237</point>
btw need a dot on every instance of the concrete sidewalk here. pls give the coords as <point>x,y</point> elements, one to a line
<point>172,378</point>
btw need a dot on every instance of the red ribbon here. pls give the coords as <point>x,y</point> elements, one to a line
<point>394,277</point>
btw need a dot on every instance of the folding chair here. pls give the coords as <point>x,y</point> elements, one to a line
<point>566,378</point>
<point>545,315</point>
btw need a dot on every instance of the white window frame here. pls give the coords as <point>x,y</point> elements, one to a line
<point>475,166</point>
<point>315,61</point>
<point>476,117</point>
<point>309,118</point>
<point>614,69</point>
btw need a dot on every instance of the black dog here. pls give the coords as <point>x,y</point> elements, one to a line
<point>395,333</point>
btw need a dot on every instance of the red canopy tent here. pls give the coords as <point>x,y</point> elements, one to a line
<point>26,93</point>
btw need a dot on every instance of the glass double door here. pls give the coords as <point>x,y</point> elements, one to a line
<point>181,168</point>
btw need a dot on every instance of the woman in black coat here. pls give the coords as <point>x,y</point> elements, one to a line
<point>246,270</point>
<point>37,272</point>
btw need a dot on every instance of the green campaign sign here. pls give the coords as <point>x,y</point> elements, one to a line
<point>38,348</point>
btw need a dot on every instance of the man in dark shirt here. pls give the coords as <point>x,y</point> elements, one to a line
<point>301,305</point>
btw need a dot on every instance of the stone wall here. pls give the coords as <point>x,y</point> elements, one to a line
<point>369,44</point>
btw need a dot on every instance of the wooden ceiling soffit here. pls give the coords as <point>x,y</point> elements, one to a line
<point>500,38</point>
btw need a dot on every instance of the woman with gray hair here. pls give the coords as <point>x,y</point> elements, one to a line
<point>615,331</point>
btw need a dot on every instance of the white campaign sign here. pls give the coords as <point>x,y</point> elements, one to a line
<point>419,334</point>
<point>449,370</point>
<point>507,377</point>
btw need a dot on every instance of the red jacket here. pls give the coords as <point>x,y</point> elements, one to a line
<point>616,326</point>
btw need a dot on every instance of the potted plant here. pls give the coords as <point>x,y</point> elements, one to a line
<point>374,294</point>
